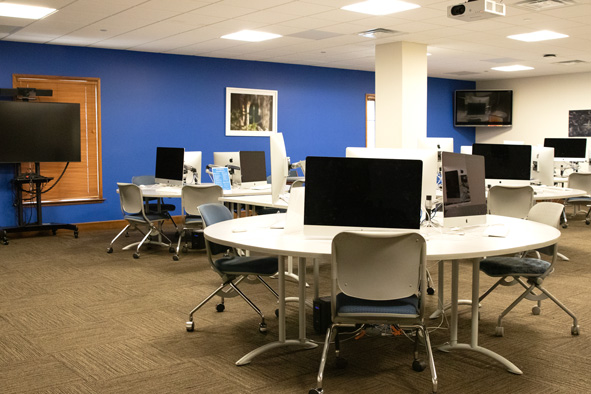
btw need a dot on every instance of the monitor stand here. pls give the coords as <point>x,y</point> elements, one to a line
<point>34,179</point>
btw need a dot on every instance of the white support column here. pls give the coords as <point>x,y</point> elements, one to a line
<point>401,94</point>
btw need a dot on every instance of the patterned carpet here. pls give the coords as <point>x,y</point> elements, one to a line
<point>74,319</point>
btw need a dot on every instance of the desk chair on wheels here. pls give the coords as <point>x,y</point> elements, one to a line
<point>582,181</point>
<point>390,289</point>
<point>149,224</point>
<point>155,204</point>
<point>192,197</point>
<point>232,267</point>
<point>528,272</point>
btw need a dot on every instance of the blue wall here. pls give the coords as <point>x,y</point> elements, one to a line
<point>150,100</point>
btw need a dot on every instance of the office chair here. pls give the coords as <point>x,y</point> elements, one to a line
<point>388,290</point>
<point>155,204</point>
<point>192,197</point>
<point>512,270</point>
<point>512,201</point>
<point>232,267</point>
<point>582,181</point>
<point>132,207</point>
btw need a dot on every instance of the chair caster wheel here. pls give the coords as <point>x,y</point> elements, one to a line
<point>190,326</point>
<point>75,234</point>
<point>536,310</point>
<point>276,312</point>
<point>430,290</point>
<point>175,257</point>
<point>341,363</point>
<point>136,255</point>
<point>564,225</point>
<point>587,222</point>
<point>110,250</point>
<point>220,307</point>
<point>419,365</point>
<point>574,330</point>
<point>500,331</point>
<point>315,391</point>
<point>263,328</point>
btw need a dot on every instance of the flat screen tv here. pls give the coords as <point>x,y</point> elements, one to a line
<point>568,149</point>
<point>474,108</point>
<point>377,194</point>
<point>503,161</point>
<point>39,132</point>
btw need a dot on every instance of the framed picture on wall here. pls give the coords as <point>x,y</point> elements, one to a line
<point>579,123</point>
<point>251,112</point>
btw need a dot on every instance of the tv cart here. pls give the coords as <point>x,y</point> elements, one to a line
<point>37,180</point>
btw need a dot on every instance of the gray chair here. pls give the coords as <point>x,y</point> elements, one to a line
<point>232,267</point>
<point>192,197</point>
<point>512,201</point>
<point>147,223</point>
<point>388,290</point>
<point>582,181</point>
<point>155,204</point>
<point>528,272</point>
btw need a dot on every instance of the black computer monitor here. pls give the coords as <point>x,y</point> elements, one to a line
<point>169,166</point>
<point>504,161</point>
<point>568,149</point>
<point>253,168</point>
<point>361,193</point>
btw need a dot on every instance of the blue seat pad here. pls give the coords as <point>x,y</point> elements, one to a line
<point>585,200</point>
<point>351,305</point>
<point>190,219</point>
<point>248,265</point>
<point>504,266</point>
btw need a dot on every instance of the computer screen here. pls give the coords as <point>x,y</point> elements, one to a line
<point>169,166</point>
<point>253,168</point>
<point>464,195</point>
<point>361,193</point>
<point>502,161</point>
<point>230,160</point>
<point>568,149</point>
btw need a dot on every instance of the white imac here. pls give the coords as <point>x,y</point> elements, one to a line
<point>568,149</point>
<point>543,165</point>
<point>464,195</point>
<point>505,164</point>
<point>427,156</point>
<point>230,160</point>
<point>192,168</point>
<point>169,166</point>
<point>253,169</point>
<point>279,166</point>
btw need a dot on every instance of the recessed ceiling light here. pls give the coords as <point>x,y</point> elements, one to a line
<point>380,7</point>
<point>515,67</point>
<point>251,35</point>
<point>24,11</point>
<point>541,35</point>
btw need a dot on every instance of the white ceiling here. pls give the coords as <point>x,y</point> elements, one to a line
<point>318,32</point>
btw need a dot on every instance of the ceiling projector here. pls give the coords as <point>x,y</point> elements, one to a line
<point>475,10</point>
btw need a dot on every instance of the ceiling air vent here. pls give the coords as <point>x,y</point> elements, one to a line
<point>542,5</point>
<point>380,33</point>
<point>570,62</point>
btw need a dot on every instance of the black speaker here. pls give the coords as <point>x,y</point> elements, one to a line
<point>321,315</point>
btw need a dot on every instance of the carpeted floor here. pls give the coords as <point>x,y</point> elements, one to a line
<point>74,319</point>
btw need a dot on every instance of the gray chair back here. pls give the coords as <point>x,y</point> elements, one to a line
<point>512,201</point>
<point>581,181</point>
<point>132,201</point>
<point>195,195</point>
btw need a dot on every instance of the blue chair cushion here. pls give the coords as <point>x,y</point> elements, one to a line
<point>581,200</point>
<point>513,266</point>
<point>247,265</point>
<point>193,219</point>
<point>351,305</point>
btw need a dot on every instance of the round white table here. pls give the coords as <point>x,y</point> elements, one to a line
<point>256,234</point>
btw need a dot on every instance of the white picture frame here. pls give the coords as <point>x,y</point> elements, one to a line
<point>251,112</point>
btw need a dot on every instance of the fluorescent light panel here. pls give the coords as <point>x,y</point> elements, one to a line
<point>24,11</point>
<point>515,67</point>
<point>541,35</point>
<point>251,36</point>
<point>380,7</point>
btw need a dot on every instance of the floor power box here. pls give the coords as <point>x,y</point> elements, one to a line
<point>321,314</point>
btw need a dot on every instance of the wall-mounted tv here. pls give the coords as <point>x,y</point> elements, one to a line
<point>39,132</point>
<point>475,108</point>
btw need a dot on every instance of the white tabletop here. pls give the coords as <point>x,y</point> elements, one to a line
<point>256,200</point>
<point>255,234</point>
<point>556,193</point>
<point>175,191</point>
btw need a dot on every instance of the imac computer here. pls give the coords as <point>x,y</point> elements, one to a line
<point>230,160</point>
<point>568,149</point>
<point>543,165</point>
<point>427,156</point>
<point>169,166</point>
<point>253,169</point>
<point>505,164</point>
<point>343,194</point>
<point>464,195</point>
<point>279,166</point>
<point>192,168</point>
